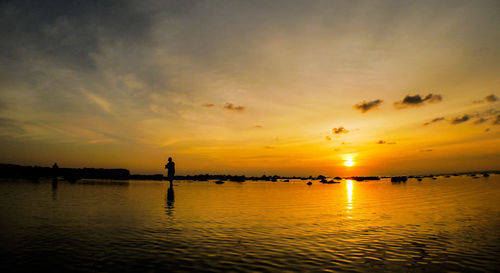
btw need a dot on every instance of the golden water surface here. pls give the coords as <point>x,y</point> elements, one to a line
<point>448,224</point>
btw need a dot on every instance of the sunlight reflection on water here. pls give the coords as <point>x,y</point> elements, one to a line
<point>349,197</point>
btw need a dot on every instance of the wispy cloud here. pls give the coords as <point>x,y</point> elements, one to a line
<point>461,119</point>
<point>10,126</point>
<point>481,120</point>
<point>426,150</point>
<point>385,142</point>
<point>232,107</point>
<point>340,130</point>
<point>489,98</point>
<point>208,105</point>
<point>102,103</point>
<point>417,100</point>
<point>434,121</point>
<point>366,106</point>
<point>497,120</point>
<point>328,138</point>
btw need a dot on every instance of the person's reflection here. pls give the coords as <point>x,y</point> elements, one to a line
<point>170,200</point>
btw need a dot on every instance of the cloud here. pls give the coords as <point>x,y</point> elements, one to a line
<point>417,100</point>
<point>232,107</point>
<point>340,130</point>
<point>433,121</point>
<point>491,98</point>
<point>481,120</point>
<point>328,138</point>
<point>258,126</point>
<point>345,143</point>
<point>102,103</point>
<point>366,106</point>
<point>426,150</point>
<point>497,120</point>
<point>461,119</point>
<point>208,105</point>
<point>10,126</point>
<point>269,147</point>
<point>385,142</point>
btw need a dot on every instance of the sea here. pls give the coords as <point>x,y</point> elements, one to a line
<point>446,224</point>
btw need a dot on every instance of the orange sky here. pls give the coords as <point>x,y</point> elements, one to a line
<point>252,88</point>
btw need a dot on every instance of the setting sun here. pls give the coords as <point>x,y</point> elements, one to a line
<point>349,163</point>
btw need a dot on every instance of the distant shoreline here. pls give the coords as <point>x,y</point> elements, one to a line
<point>73,174</point>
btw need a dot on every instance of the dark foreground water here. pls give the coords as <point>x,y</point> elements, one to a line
<point>443,225</point>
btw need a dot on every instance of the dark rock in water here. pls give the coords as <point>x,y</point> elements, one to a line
<point>286,180</point>
<point>321,177</point>
<point>419,179</point>
<point>399,179</point>
<point>309,183</point>
<point>337,178</point>
<point>219,182</point>
<point>486,174</point>
<point>329,182</point>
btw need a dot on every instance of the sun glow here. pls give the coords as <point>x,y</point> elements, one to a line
<point>349,163</point>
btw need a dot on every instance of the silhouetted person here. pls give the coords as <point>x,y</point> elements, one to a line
<point>170,171</point>
<point>55,170</point>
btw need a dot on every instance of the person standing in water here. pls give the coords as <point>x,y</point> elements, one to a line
<point>170,166</point>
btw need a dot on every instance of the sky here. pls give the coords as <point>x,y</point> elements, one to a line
<point>252,87</point>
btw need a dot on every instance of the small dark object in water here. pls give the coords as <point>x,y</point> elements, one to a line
<point>329,182</point>
<point>219,182</point>
<point>309,183</point>
<point>486,174</point>
<point>419,179</point>
<point>286,180</point>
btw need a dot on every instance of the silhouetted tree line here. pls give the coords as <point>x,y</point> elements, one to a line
<point>71,174</point>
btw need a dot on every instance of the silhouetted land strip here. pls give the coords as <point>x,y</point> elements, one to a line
<point>73,174</point>
<point>70,174</point>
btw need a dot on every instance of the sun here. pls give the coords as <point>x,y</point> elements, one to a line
<point>349,163</point>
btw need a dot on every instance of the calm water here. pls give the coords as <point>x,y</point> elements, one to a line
<point>449,224</point>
